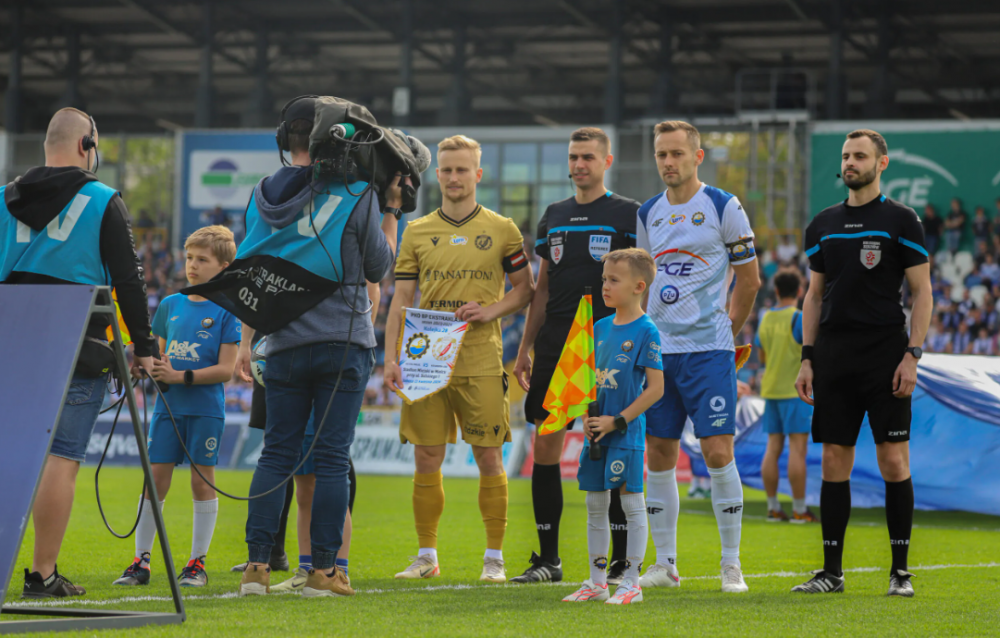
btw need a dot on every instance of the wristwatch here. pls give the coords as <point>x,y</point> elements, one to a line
<point>189,377</point>
<point>395,212</point>
<point>916,352</point>
<point>621,424</point>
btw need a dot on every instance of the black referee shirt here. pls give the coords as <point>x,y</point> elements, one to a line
<point>863,251</point>
<point>573,237</point>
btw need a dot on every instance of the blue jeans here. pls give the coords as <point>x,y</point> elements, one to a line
<point>294,380</point>
<point>79,415</point>
<point>952,239</point>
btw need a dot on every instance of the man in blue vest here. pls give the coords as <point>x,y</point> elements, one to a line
<point>59,225</point>
<point>311,245</point>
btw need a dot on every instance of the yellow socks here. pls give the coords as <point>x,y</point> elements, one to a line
<point>428,504</point>
<point>493,506</point>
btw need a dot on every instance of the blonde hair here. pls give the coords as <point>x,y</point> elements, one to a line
<point>639,262</point>
<point>460,143</point>
<point>694,137</point>
<point>217,239</point>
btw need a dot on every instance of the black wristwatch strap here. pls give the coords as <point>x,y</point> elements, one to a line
<point>189,377</point>
<point>807,353</point>
<point>395,212</point>
<point>621,424</point>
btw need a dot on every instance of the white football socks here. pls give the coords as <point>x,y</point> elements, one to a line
<point>727,501</point>
<point>773,504</point>
<point>599,534</point>
<point>145,532</point>
<point>664,506</point>
<point>205,513</point>
<point>634,506</point>
<point>799,505</point>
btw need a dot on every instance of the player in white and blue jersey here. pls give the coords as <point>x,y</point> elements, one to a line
<point>199,341</point>
<point>627,355</point>
<point>699,237</point>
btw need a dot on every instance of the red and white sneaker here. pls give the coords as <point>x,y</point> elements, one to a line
<point>588,592</point>
<point>628,592</point>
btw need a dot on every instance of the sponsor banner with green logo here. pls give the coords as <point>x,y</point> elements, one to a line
<point>929,163</point>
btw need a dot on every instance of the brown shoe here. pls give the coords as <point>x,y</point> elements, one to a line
<point>318,583</point>
<point>256,581</point>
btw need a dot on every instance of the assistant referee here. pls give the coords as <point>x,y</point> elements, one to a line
<point>856,355</point>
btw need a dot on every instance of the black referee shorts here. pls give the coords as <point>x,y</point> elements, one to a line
<point>548,346</point>
<point>853,373</point>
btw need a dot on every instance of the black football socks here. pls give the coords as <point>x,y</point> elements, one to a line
<point>835,503</point>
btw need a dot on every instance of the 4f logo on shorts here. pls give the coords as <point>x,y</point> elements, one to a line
<point>870,254</point>
<point>600,245</point>
<point>718,423</point>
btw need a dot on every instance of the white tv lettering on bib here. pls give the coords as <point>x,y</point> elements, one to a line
<point>319,218</point>
<point>57,231</point>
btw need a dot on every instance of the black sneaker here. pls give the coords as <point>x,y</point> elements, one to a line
<point>616,572</point>
<point>137,573</point>
<point>540,571</point>
<point>55,586</point>
<point>278,563</point>
<point>822,582</point>
<point>194,574</point>
<point>900,585</point>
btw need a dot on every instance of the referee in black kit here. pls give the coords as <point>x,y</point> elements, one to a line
<point>573,235</point>
<point>856,355</point>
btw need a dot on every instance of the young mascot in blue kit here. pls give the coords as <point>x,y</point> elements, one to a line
<point>200,341</point>
<point>627,350</point>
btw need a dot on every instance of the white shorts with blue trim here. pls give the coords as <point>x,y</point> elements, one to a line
<point>700,385</point>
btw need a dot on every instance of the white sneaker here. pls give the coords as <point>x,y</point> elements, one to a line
<point>732,580</point>
<point>589,591</point>
<point>423,566</point>
<point>628,592</point>
<point>660,576</point>
<point>493,571</point>
<point>295,583</point>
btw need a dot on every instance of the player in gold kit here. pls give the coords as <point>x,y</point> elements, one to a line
<point>458,256</point>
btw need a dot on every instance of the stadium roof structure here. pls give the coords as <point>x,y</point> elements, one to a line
<point>152,65</point>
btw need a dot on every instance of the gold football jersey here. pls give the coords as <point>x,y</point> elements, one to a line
<point>457,262</point>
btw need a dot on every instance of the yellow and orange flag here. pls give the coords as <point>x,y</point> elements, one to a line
<point>126,337</point>
<point>574,384</point>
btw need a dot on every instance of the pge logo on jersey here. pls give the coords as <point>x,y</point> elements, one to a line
<point>677,268</point>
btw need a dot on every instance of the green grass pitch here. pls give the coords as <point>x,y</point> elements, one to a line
<point>955,556</point>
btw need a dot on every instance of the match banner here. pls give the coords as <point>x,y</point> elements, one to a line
<point>428,347</point>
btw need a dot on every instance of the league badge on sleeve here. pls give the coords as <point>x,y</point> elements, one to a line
<point>556,247</point>
<point>600,245</point>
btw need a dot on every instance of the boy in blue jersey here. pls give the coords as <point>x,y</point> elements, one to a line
<point>627,350</point>
<point>200,341</point>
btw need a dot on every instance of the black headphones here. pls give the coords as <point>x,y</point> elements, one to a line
<point>281,136</point>
<point>88,143</point>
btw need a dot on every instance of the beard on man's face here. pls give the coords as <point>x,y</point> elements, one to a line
<point>857,181</point>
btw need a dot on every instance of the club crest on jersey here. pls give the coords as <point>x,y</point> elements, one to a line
<point>458,240</point>
<point>698,218</point>
<point>617,466</point>
<point>600,245</point>
<point>871,254</point>
<point>207,323</point>
<point>484,242</point>
<point>676,219</point>
<point>627,346</point>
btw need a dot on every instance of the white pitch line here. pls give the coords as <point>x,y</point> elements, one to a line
<point>432,588</point>
<point>860,523</point>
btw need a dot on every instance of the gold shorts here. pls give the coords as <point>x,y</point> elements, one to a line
<point>479,406</point>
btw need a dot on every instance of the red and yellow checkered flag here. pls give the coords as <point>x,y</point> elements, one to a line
<point>574,384</point>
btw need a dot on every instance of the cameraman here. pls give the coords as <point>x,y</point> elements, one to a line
<point>59,225</point>
<point>304,357</point>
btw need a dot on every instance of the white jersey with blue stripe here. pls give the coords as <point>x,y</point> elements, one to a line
<point>694,246</point>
